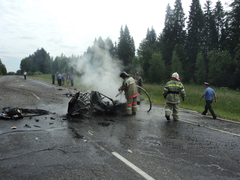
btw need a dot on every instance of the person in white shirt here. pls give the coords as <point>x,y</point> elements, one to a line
<point>25,75</point>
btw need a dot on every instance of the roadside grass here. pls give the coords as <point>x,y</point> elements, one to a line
<point>48,78</point>
<point>227,105</point>
<point>44,77</point>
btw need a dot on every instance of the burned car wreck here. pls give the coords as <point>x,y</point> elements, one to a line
<point>96,103</point>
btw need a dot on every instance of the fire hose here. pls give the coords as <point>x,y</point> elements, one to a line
<point>118,94</point>
<point>150,102</point>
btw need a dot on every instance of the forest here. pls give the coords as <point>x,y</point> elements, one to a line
<point>205,46</point>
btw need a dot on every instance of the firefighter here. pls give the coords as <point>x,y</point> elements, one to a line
<point>139,82</point>
<point>130,90</point>
<point>171,93</point>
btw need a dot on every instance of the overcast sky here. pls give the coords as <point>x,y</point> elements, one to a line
<point>70,26</point>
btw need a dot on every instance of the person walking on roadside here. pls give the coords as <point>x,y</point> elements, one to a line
<point>208,95</point>
<point>171,93</point>
<point>68,78</point>
<point>53,78</point>
<point>25,75</point>
<point>63,78</point>
<point>59,79</point>
<point>72,78</point>
<point>130,89</point>
<point>139,82</point>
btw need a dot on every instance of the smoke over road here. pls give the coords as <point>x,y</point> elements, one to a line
<point>100,71</point>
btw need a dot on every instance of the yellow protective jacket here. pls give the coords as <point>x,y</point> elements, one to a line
<point>129,87</point>
<point>172,90</point>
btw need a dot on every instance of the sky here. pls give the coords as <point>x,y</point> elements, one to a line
<point>70,27</point>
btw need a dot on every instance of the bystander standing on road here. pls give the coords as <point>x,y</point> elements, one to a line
<point>63,78</point>
<point>53,78</point>
<point>59,79</point>
<point>171,93</point>
<point>68,78</point>
<point>208,95</point>
<point>25,75</point>
<point>72,78</point>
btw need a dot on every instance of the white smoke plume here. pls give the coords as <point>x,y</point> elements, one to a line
<point>100,72</point>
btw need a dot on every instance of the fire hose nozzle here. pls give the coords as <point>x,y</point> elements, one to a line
<point>118,94</point>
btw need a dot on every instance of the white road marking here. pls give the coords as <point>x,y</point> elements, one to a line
<point>210,128</point>
<point>35,96</point>
<point>131,165</point>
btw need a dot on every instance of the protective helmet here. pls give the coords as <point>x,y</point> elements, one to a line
<point>176,76</point>
<point>124,74</point>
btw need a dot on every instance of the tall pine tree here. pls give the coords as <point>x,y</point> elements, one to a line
<point>219,16</point>
<point>234,25</point>
<point>126,47</point>
<point>146,48</point>
<point>167,38</point>
<point>194,42</point>
<point>179,23</point>
<point>210,36</point>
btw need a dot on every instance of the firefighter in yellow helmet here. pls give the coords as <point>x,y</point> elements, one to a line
<point>130,89</point>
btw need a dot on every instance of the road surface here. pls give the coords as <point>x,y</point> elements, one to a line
<point>145,146</point>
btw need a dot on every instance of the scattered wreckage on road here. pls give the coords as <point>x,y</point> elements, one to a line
<point>83,104</point>
<point>18,113</point>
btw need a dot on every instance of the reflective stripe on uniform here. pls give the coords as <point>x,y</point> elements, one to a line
<point>134,103</point>
<point>129,104</point>
<point>174,85</point>
<point>133,96</point>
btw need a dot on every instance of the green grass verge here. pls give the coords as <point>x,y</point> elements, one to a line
<point>227,105</point>
<point>44,77</point>
<point>48,78</point>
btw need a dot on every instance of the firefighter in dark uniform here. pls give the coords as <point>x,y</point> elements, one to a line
<point>130,90</point>
<point>139,82</point>
<point>171,93</point>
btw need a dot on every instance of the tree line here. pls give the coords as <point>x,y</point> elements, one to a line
<point>207,49</point>
<point>3,69</point>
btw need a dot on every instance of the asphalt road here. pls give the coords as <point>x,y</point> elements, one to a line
<point>145,146</point>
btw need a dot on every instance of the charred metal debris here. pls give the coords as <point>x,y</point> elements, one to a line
<point>17,113</point>
<point>96,103</point>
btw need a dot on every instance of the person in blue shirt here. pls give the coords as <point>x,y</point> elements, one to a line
<point>59,79</point>
<point>209,93</point>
